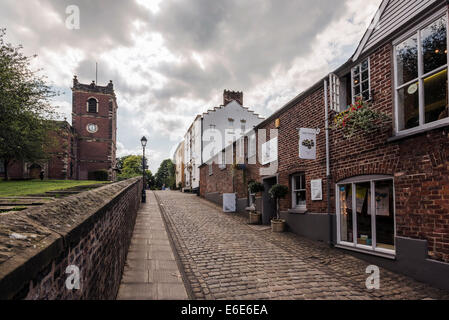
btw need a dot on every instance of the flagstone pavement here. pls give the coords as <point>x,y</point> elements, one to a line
<point>151,271</point>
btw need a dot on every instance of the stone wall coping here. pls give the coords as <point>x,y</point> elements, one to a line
<point>49,230</point>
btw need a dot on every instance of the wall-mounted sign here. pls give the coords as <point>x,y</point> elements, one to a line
<point>270,151</point>
<point>316,187</point>
<point>307,143</point>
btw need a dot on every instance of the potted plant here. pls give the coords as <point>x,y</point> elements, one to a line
<point>254,187</point>
<point>277,192</point>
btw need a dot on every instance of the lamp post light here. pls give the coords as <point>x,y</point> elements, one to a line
<point>144,144</point>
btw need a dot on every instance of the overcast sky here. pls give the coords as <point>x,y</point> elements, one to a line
<point>171,60</point>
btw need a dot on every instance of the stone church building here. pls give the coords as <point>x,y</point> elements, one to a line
<point>83,148</point>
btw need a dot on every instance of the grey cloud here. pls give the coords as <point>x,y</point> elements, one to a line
<point>244,40</point>
<point>104,24</point>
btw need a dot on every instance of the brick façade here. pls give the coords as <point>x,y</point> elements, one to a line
<point>418,164</point>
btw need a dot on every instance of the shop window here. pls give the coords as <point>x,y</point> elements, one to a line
<point>299,191</point>
<point>421,77</point>
<point>357,199</point>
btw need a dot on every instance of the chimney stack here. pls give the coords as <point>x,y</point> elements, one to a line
<point>229,96</point>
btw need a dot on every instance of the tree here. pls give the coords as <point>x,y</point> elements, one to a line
<point>150,180</point>
<point>166,175</point>
<point>24,108</point>
<point>120,162</point>
<point>131,166</point>
<point>277,192</point>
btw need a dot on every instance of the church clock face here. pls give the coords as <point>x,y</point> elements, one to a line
<point>92,128</point>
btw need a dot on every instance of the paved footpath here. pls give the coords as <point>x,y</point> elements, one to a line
<point>151,271</point>
<point>225,258</point>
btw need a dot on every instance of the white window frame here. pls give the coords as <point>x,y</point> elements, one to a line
<point>421,76</point>
<point>354,96</point>
<point>354,245</point>
<point>334,87</point>
<point>295,189</point>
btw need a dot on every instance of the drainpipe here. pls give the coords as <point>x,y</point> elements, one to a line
<point>328,171</point>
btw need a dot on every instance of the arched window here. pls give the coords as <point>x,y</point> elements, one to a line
<point>92,105</point>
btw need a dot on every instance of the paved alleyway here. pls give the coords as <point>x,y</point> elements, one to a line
<point>224,258</point>
<point>151,272</point>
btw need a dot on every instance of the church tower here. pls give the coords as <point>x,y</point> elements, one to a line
<point>94,120</point>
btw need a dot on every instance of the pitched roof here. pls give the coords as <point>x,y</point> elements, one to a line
<point>392,16</point>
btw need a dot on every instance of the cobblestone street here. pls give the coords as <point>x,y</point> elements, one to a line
<point>225,258</point>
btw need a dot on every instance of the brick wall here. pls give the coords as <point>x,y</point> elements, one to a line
<point>91,230</point>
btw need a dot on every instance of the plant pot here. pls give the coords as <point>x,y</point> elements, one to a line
<point>255,218</point>
<point>277,225</point>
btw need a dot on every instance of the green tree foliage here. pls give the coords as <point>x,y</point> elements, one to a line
<point>131,166</point>
<point>24,107</point>
<point>166,175</point>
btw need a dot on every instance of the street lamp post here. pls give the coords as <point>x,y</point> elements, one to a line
<point>144,144</point>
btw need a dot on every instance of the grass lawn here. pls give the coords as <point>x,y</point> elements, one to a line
<point>30,187</point>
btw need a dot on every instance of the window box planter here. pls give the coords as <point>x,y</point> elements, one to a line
<point>360,118</point>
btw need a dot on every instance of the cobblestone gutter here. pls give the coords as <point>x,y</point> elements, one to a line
<point>90,230</point>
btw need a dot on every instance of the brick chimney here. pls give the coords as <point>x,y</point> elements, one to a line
<point>229,96</point>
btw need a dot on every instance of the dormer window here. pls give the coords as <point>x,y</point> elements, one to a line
<point>92,105</point>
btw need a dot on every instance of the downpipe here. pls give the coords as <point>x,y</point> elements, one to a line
<point>328,172</point>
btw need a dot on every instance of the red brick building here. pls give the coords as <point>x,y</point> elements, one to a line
<point>86,146</point>
<point>400,172</point>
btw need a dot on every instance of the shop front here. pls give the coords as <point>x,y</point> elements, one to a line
<point>366,214</point>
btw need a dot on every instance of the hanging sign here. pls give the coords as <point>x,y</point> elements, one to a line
<point>307,143</point>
